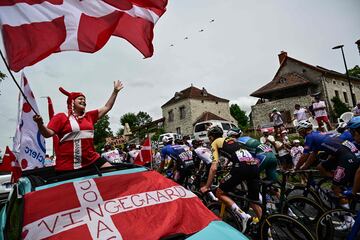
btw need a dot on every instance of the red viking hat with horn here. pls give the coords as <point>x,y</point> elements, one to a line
<point>71,97</point>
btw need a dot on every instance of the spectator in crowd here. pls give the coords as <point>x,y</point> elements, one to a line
<point>133,152</point>
<point>268,139</point>
<point>283,147</point>
<point>278,121</point>
<point>111,155</point>
<point>356,109</point>
<point>296,151</point>
<point>321,115</point>
<point>300,113</point>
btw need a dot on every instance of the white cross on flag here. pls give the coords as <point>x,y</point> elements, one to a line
<point>143,205</point>
<point>34,29</point>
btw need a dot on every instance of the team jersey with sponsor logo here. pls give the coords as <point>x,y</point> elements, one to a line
<point>76,145</point>
<point>180,153</point>
<point>255,147</point>
<point>204,154</point>
<point>318,141</point>
<point>230,148</point>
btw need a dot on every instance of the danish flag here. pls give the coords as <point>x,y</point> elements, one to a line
<point>34,29</point>
<point>145,155</point>
<point>9,164</point>
<point>142,205</point>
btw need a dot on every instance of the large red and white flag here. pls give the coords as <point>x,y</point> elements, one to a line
<point>145,154</point>
<point>29,144</point>
<point>142,206</point>
<point>34,29</point>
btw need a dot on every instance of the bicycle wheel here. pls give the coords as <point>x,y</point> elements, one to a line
<point>304,210</point>
<point>282,227</point>
<point>228,217</point>
<point>335,224</point>
<point>301,190</point>
<point>324,187</point>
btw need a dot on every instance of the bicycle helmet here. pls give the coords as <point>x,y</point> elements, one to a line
<point>167,139</point>
<point>234,132</point>
<point>215,132</point>
<point>354,123</point>
<point>303,124</point>
<point>341,127</point>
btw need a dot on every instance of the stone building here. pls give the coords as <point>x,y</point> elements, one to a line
<point>193,105</point>
<point>293,83</point>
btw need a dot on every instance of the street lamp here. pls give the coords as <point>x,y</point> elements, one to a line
<point>347,73</point>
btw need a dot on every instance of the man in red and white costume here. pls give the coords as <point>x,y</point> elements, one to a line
<point>75,130</point>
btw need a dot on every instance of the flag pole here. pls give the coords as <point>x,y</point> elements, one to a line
<point>17,84</point>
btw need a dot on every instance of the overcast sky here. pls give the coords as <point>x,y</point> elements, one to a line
<point>232,57</point>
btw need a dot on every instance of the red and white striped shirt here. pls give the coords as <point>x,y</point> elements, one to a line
<point>76,145</point>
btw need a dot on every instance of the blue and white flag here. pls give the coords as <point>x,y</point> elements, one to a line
<point>29,144</point>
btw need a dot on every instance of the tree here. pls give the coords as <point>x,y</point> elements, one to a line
<point>129,118</point>
<point>239,115</point>
<point>339,107</point>
<point>143,118</point>
<point>355,71</point>
<point>102,131</point>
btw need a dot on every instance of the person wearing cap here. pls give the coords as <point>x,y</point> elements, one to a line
<point>283,147</point>
<point>356,109</point>
<point>277,120</point>
<point>75,129</point>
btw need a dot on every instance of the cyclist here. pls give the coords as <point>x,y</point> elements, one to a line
<point>354,128</point>
<point>182,157</point>
<point>342,160</point>
<point>260,151</point>
<point>244,168</point>
<point>201,156</point>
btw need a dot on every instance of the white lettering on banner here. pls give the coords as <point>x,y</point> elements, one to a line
<point>72,11</point>
<point>96,213</point>
<point>77,143</point>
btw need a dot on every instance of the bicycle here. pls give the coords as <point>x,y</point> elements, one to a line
<point>270,226</point>
<point>339,223</point>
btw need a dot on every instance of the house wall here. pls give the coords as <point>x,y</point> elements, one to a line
<point>260,112</point>
<point>194,109</point>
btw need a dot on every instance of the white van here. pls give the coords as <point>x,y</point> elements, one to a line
<point>200,129</point>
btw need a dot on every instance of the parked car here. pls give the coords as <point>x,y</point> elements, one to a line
<point>120,202</point>
<point>200,129</point>
<point>267,127</point>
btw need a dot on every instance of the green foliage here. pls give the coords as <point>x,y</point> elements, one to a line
<point>120,132</point>
<point>129,118</point>
<point>143,118</point>
<point>240,116</point>
<point>355,71</point>
<point>102,131</point>
<point>158,132</point>
<point>339,107</point>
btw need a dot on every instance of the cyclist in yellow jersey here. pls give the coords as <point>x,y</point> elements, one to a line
<point>244,168</point>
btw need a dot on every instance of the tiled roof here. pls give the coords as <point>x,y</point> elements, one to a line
<point>283,82</point>
<point>194,93</point>
<point>209,116</point>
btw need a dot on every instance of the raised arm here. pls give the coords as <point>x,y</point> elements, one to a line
<point>46,132</point>
<point>110,103</point>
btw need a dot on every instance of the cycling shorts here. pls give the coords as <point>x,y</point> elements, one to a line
<point>269,165</point>
<point>244,172</point>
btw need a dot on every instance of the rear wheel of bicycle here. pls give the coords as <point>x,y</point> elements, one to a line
<point>228,217</point>
<point>282,227</point>
<point>335,224</point>
<point>304,210</point>
<point>302,191</point>
<point>323,189</point>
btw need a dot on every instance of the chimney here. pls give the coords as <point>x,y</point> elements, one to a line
<point>282,57</point>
